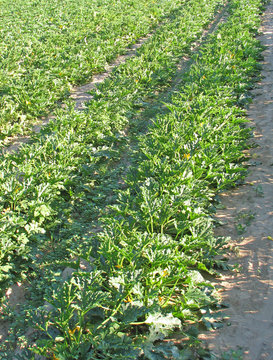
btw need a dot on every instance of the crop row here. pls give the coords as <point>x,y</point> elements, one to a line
<point>47,47</point>
<point>148,268</point>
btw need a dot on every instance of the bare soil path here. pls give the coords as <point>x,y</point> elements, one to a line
<point>249,210</point>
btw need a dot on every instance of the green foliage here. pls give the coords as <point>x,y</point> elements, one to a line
<point>48,46</point>
<point>147,273</point>
<point>46,184</point>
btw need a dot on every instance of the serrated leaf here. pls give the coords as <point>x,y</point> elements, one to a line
<point>132,312</point>
<point>161,351</point>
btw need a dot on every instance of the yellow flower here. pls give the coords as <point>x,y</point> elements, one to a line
<point>5,210</point>
<point>165,273</point>
<point>186,156</point>
<point>71,332</point>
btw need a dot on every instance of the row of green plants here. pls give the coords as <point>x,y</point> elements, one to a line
<point>48,46</point>
<point>148,267</point>
<point>45,184</point>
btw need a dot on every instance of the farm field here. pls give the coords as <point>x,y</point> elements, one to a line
<point>107,215</point>
<point>48,46</point>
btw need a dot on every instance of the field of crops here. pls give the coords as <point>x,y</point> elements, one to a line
<point>106,216</point>
<point>47,46</point>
